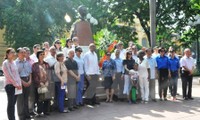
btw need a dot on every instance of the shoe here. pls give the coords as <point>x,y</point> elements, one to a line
<point>134,102</point>
<point>165,99</point>
<point>65,111</point>
<point>82,104</point>
<point>161,99</point>
<point>70,109</point>
<point>191,98</point>
<point>142,101</point>
<point>75,107</point>
<point>130,102</point>
<point>33,114</point>
<point>185,98</point>
<point>107,100</point>
<point>154,100</point>
<point>97,103</point>
<point>46,113</point>
<point>111,101</point>
<point>28,117</point>
<point>145,102</point>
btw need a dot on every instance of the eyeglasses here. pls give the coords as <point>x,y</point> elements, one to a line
<point>58,43</point>
<point>162,51</point>
<point>80,51</point>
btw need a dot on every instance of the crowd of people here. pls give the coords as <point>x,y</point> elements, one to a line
<point>52,73</point>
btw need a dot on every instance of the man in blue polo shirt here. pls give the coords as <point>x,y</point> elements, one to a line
<point>162,65</point>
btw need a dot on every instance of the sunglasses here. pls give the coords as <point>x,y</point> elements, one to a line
<point>42,54</point>
<point>58,43</point>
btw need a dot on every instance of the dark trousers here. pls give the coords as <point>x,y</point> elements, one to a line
<point>60,96</point>
<point>173,83</point>
<point>10,91</point>
<point>91,90</point>
<point>163,82</point>
<point>118,86</point>
<point>42,105</point>
<point>186,84</point>
<point>22,102</point>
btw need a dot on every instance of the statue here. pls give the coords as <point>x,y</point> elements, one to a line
<point>82,28</point>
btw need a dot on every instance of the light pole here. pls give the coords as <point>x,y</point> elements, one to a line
<point>196,24</point>
<point>152,6</point>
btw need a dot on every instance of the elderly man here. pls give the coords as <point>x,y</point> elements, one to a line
<point>187,65</point>
<point>73,78</point>
<point>92,73</point>
<point>25,71</point>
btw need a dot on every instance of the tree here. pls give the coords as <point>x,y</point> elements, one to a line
<point>28,22</point>
<point>170,15</point>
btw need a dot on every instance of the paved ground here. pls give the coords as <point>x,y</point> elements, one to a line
<point>169,110</point>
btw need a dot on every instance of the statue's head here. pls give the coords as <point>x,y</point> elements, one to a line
<point>82,11</point>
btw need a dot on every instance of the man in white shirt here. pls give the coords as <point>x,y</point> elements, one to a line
<point>92,73</point>
<point>36,47</point>
<point>187,65</point>
<point>152,65</point>
<point>51,60</point>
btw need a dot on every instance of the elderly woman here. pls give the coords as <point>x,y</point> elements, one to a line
<point>143,70</point>
<point>73,78</point>
<point>41,80</point>
<point>128,64</point>
<point>109,68</point>
<point>61,85</point>
<point>12,81</point>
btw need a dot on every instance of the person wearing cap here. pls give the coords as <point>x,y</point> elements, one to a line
<point>163,73</point>
<point>187,65</point>
<point>173,73</point>
<point>36,48</point>
<point>128,64</point>
<point>78,58</point>
<point>92,73</point>
<point>57,45</point>
<point>60,84</point>
<point>68,46</point>
<point>109,68</point>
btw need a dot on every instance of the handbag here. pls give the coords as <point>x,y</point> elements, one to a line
<point>42,90</point>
